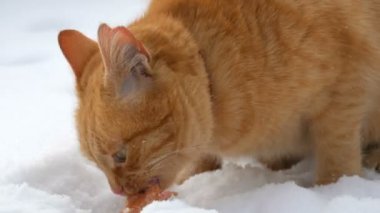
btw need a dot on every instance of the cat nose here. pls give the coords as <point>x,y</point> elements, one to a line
<point>118,190</point>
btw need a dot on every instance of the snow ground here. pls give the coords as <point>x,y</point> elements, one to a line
<point>42,170</point>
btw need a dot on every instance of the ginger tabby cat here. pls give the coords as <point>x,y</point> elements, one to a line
<point>194,81</point>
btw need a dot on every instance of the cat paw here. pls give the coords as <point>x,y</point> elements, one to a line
<point>331,174</point>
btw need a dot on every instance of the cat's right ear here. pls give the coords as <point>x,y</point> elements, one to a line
<point>127,69</point>
<point>77,49</point>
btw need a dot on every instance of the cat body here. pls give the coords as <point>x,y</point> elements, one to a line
<point>195,81</point>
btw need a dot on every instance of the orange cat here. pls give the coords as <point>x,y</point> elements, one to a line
<point>197,80</point>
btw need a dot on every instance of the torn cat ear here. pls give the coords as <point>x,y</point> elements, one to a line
<point>126,59</point>
<point>77,49</point>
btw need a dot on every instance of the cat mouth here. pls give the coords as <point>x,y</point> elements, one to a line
<point>155,181</point>
<point>125,190</point>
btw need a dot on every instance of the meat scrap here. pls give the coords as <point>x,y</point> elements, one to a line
<point>137,202</point>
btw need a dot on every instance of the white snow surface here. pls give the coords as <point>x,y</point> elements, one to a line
<point>43,171</point>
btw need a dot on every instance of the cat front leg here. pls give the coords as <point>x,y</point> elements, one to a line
<point>336,133</point>
<point>337,148</point>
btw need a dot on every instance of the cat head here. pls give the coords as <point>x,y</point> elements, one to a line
<point>144,106</point>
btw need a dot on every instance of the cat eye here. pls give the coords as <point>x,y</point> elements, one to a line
<point>120,156</point>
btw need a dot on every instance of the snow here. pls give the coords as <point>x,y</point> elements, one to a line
<point>43,171</point>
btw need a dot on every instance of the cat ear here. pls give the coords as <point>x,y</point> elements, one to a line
<point>77,49</point>
<point>125,58</point>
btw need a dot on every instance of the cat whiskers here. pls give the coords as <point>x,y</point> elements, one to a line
<point>156,161</point>
<point>159,159</point>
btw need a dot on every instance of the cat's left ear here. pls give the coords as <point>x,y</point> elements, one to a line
<point>126,60</point>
